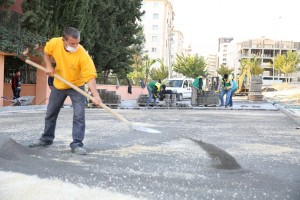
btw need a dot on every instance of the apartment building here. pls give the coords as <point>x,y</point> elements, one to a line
<point>212,64</point>
<point>233,58</point>
<point>223,49</point>
<point>176,49</point>
<point>158,26</point>
<point>266,50</point>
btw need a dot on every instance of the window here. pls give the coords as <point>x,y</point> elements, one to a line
<point>155,16</point>
<point>185,84</point>
<point>154,49</point>
<point>28,74</point>
<point>154,27</point>
<point>224,59</point>
<point>154,38</point>
<point>174,83</point>
<point>224,55</point>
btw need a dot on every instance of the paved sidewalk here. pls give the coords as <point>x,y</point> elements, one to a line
<point>125,164</point>
<point>240,103</point>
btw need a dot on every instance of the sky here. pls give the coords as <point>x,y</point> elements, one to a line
<point>204,21</point>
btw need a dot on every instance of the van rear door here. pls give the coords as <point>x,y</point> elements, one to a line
<point>186,89</point>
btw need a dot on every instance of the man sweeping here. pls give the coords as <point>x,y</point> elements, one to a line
<point>74,65</point>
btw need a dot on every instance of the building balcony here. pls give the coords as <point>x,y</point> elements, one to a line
<point>267,56</point>
<point>244,56</point>
<point>272,47</point>
<point>266,65</point>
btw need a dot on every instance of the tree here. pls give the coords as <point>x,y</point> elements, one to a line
<point>138,69</point>
<point>161,73</point>
<point>108,28</point>
<point>141,68</point>
<point>190,66</point>
<point>253,65</point>
<point>13,39</point>
<point>5,4</point>
<point>119,30</point>
<point>148,62</point>
<point>287,63</point>
<point>5,12</point>
<point>16,41</point>
<point>224,70</point>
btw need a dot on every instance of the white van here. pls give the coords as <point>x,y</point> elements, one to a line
<point>181,86</point>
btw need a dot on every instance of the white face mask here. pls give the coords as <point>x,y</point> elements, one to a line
<point>71,49</point>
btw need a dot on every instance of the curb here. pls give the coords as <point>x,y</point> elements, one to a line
<point>196,108</point>
<point>237,108</point>
<point>288,113</point>
<point>22,108</point>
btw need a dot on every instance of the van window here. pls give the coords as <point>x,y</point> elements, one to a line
<point>174,83</point>
<point>185,84</point>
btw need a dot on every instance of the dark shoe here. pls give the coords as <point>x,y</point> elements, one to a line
<point>226,106</point>
<point>79,150</point>
<point>40,143</point>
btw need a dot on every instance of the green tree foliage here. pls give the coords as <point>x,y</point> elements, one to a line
<point>253,64</point>
<point>109,28</point>
<point>138,69</point>
<point>148,62</point>
<point>224,70</point>
<point>13,39</point>
<point>287,63</point>
<point>190,66</point>
<point>141,68</point>
<point>161,73</point>
<point>16,41</point>
<point>5,14</point>
<point>6,3</point>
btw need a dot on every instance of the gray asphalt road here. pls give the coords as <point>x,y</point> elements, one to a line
<point>168,165</point>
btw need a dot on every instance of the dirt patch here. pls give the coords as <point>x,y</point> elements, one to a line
<point>11,150</point>
<point>286,93</point>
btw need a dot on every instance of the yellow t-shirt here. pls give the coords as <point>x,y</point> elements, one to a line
<point>77,67</point>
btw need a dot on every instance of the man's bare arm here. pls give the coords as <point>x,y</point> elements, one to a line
<point>49,68</point>
<point>93,87</point>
